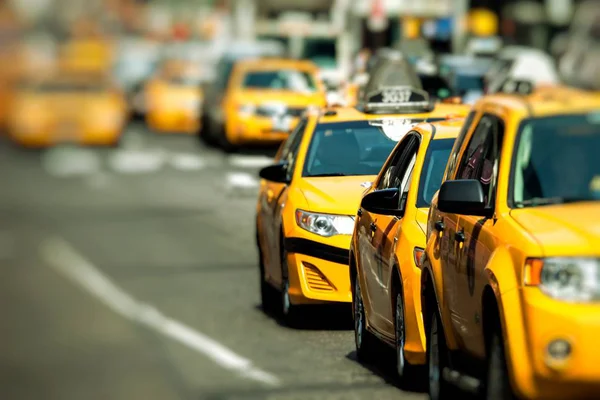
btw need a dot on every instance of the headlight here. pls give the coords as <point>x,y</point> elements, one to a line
<point>565,278</point>
<point>325,224</point>
<point>247,109</point>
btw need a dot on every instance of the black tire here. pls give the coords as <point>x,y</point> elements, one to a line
<point>268,294</point>
<point>364,340</point>
<point>206,132</point>
<point>437,360</point>
<point>224,143</point>
<point>411,376</point>
<point>289,312</point>
<point>497,385</point>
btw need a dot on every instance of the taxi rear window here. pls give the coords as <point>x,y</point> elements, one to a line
<point>555,160</point>
<point>298,81</point>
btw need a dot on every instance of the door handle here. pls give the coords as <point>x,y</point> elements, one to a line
<point>459,236</point>
<point>359,212</point>
<point>373,227</point>
<point>439,226</point>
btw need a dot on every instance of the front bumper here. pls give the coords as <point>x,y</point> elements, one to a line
<point>49,137</point>
<point>256,129</point>
<point>576,375</point>
<point>173,120</point>
<point>318,272</point>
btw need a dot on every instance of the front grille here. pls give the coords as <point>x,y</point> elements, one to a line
<point>272,112</point>
<point>316,280</point>
<point>295,112</point>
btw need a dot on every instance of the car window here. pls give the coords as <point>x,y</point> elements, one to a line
<point>481,159</point>
<point>452,160</point>
<point>298,81</point>
<point>432,172</point>
<point>555,160</point>
<point>289,153</point>
<point>394,171</point>
<point>349,148</point>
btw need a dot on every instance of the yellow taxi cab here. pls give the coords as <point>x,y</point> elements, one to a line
<point>308,199</point>
<point>510,277</point>
<point>69,107</point>
<point>174,98</point>
<point>265,99</point>
<point>388,241</point>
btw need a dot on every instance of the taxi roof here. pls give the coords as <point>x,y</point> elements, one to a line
<point>547,101</point>
<point>447,129</point>
<point>346,114</point>
<point>261,64</point>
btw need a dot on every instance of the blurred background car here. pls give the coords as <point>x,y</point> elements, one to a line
<point>265,99</point>
<point>173,96</point>
<point>69,107</point>
<point>214,91</point>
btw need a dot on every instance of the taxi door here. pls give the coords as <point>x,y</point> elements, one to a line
<point>448,245</point>
<point>477,233</point>
<point>384,240</point>
<point>372,238</point>
<point>274,194</point>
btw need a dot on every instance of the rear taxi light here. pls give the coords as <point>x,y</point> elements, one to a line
<point>532,274</point>
<point>418,254</point>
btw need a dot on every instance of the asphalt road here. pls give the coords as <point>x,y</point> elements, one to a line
<point>132,274</point>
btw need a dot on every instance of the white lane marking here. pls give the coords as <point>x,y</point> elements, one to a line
<point>241,180</point>
<point>187,162</point>
<point>68,161</point>
<point>64,258</point>
<point>136,161</point>
<point>249,161</point>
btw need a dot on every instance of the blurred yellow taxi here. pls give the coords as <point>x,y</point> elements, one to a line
<point>174,98</point>
<point>73,108</point>
<point>265,99</point>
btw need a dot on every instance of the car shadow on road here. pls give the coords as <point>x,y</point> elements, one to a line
<point>318,318</point>
<point>384,366</point>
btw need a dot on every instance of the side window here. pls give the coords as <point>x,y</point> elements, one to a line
<point>451,167</point>
<point>290,153</point>
<point>482,157</point>
<point>392,177</point>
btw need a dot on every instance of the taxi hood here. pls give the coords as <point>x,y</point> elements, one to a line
<point>565,229</point>
<point>335,195</point>
<point>281,96</point>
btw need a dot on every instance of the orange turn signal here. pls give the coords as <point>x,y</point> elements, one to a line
<point>418,254</point>
<point>532,274</point>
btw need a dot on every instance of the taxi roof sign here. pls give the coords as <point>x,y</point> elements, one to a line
<point>401,99</point>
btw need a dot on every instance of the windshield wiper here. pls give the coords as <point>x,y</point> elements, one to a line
<point>329,174</point>
<point>542,201</point>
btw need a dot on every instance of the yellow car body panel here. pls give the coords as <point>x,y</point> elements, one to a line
<point>45,118</point>
<point>249,127</point>
<point>530,319</point>
<point>396,239</point>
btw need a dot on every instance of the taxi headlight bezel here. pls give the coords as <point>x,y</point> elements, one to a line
<point>569,279</point>
<point>326,225</point>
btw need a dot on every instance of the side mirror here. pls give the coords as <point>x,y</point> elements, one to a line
<point>383,202</point>
<point>275,173</point>
<point>463,197</point>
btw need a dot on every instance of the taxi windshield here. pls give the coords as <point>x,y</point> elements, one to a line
<point>433,170</point>
<point>294,80</point>
<point>353,148</point>
<point>556,160</point>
